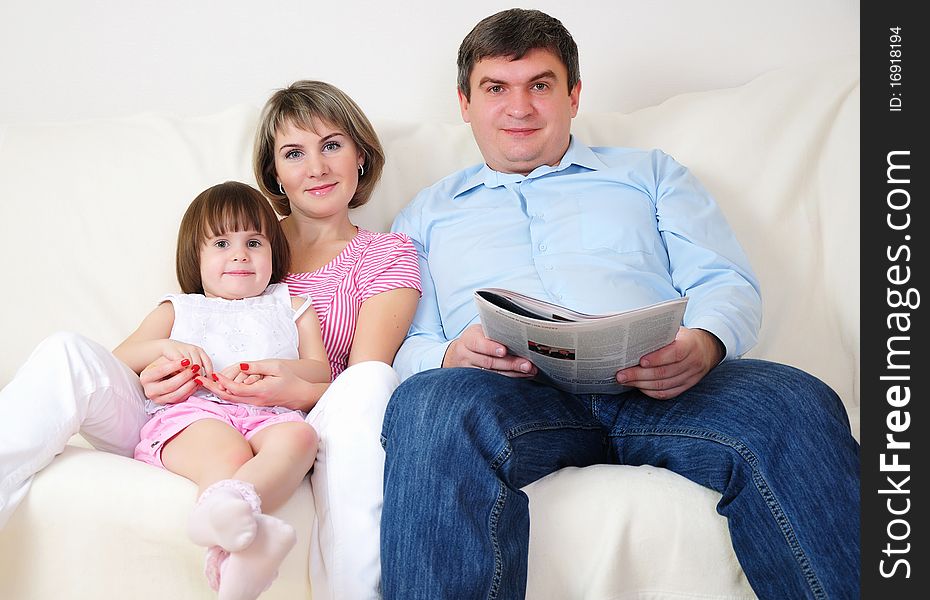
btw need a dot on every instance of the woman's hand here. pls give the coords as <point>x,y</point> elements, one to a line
<point>167,381</point>
<point>195,355</point>
<point>276,385</point>
<point>235,373</point>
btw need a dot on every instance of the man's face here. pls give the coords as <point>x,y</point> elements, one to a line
<point>521,111</point>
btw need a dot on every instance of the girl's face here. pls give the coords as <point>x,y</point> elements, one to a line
<point>235,265</point>
<point>318,168</point>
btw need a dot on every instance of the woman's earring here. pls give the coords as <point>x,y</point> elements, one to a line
<point>281,187</point>
<point>361,170</point>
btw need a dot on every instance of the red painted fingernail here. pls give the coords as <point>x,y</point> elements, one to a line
<point>195,368</point>
<point>215,378</point>
<point>197,379</point>
<point>243,366</point>
<point>185,362</point>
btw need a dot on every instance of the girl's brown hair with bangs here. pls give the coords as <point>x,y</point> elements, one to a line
<point>229,206</point>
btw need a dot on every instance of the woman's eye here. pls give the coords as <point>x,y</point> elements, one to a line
<point>292,154</point>
<point>331,146</point>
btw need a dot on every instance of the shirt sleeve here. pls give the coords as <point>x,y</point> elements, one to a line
<point>706,262</point>
<point>391,263</point>
<point>426,344</point>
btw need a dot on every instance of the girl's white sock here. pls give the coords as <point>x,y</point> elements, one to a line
<point>244,575</point>
<point>225,515</point>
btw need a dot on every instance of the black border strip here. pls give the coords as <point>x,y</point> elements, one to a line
<point>894,273</point>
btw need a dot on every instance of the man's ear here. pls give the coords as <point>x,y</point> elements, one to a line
<point>463,105</point>
<point>575,96</point>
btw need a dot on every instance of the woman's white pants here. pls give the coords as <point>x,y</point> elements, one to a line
<point>69,384</point>
<point>347,483</point>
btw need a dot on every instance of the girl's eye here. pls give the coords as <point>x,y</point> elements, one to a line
<point>255,244</point>
<point>292,154</point>
<point>331,146</point>
<point>221,243</point>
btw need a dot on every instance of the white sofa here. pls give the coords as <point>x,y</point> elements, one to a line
<point>93,207</point>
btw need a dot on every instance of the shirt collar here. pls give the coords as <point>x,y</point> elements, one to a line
<point>577,154</point>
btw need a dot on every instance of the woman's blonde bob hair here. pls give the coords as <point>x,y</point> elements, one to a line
<point>299,104</point>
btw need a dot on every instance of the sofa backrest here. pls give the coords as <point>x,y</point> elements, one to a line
<point>93,206</point>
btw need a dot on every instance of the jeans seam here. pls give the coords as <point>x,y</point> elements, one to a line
<point>493,523</point>
<point>542,426</point>
<point>516,432</point>
<point>781,519</point>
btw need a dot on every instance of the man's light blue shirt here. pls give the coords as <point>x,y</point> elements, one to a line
<point>605,230</point>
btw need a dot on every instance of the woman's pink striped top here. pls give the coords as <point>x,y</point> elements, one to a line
<point>370,264</point>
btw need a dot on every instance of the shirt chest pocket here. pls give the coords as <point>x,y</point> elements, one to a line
<point>618,222</point>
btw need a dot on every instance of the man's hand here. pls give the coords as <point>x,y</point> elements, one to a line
<point>473,349</point>
<point>671,370</point>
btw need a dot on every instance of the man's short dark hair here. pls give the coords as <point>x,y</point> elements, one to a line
<point>512,33</point>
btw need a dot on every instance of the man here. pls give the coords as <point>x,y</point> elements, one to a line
<point>597,230</point>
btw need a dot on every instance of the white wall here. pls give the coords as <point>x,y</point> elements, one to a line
<point>63,60</point>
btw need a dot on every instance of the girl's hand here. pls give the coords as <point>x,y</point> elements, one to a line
<point>167,381</point>
<point>276,385</point>
<point>174,350</point>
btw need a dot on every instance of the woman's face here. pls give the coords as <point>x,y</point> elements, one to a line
<point>318,168</point>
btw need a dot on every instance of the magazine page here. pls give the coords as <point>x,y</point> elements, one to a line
<point>576,352</point>
<point>531,307</point>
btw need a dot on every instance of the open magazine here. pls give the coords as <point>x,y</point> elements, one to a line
<point>573,351</point>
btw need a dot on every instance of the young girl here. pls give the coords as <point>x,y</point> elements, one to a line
<point>243,457</point>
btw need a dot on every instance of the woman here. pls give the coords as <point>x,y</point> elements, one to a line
<point>316,156</point>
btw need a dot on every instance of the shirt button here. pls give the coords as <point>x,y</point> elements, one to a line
<point>549,267</point>
<point>542,247</point>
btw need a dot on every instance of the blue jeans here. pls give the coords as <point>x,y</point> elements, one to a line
<point>460,443</point>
